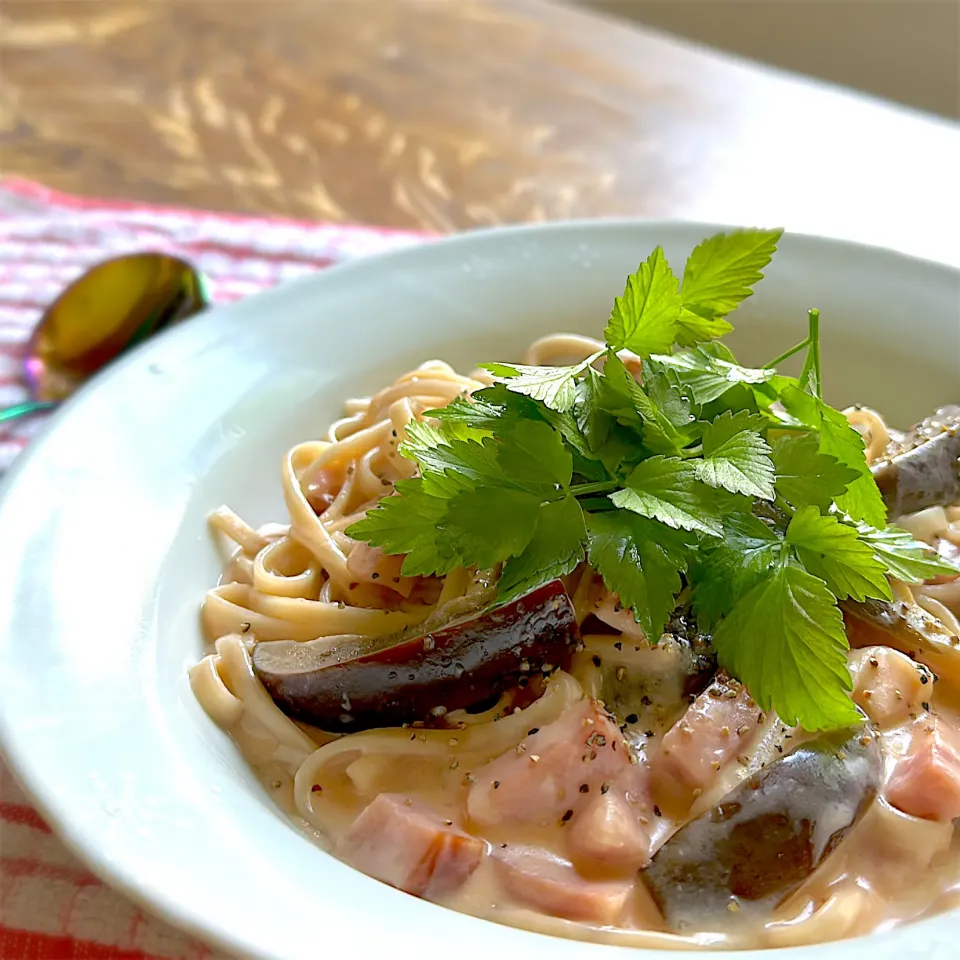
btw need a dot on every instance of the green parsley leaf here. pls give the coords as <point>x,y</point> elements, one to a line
<point>785,640</point>
<point>513,405</point>
<point>555,387</point>
<point>806,476</point>
<point>740,397</point>
<point>722,270</point>
<point>421,438</point>
<point>736,457</point>
<point>476,503</point>
<point>619,394</point>
<point>693,328</point>
<point>708,373</point>
<point>587,470</point>
<point>862,500</point>
<point>672,402</point>
<point>640,561</point>
<point>592,420</point>
<point>556,549</point>
<point>667,489</point>
<point>644,319</point>
<point>474,414</point>
<point>904,558</point>
<point>494,408</point>
<point>724,570</point>
<point>833,552</point>
<point>584,462</point>
<point>487,412</point>
<point>622,451</point>
<point>532,454</point>
<point>766,396</point>
<point>435,453</point>
<point>408,523</point>
<point>608,422</point>
<point>485,526</point>
<point>768,539</point>
<point>527,454</point>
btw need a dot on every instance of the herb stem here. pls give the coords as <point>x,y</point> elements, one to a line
<point>782,504</point>
<point>597,504</point>
<point>802,345</point>
<point>599,486</point>
<point>779,425</point>
<point>810,374</point>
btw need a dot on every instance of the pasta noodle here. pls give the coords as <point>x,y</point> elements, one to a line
<point>307,581</point>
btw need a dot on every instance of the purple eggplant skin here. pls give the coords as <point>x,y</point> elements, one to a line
<point>906,627</point>
<point>739,860</point>
<point>385,683</point>
<point>924,470</point>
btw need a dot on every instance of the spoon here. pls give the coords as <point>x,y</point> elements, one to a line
<point>114,306</point>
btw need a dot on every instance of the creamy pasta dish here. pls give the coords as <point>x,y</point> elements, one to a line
<point>627,642</point>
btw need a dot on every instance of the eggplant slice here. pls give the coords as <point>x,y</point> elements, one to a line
<point>924,469</point>
<point>747,854</point>
<point>395,680</point>
<point>906,627</point>
<point>649,686</point>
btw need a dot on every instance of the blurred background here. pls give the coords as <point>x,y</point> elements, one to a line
<point>905,50</point>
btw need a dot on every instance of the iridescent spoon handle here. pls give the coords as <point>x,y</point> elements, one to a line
<point>23,409</point>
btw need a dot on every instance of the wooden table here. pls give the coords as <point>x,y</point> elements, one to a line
<point>449,114</point>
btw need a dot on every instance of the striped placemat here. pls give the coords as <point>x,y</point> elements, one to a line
<point>51,906</point>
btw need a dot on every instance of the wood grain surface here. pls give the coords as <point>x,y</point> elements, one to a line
<point>449,114</point>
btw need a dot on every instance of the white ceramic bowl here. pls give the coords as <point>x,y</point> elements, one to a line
<point>104,552</point>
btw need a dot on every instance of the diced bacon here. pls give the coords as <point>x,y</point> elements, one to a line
<point>407,845</point>
<point>323,488</point>
<point>926,782</point>
<point>551,885</point>
<point>364,561</point>
<point>426,590</point>
<point>610,834</point>
<point>372,565</point>
<point>887,684</point>
<point>552,773</point>
<point>609,610</point>
<point>708,736</point>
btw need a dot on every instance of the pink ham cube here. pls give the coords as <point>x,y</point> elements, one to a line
<point>926,781</point>
<point>406,844</point>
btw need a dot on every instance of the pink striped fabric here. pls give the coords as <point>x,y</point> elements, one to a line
<point>51,906</point>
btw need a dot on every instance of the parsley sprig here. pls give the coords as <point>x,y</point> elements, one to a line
<point>741,484</point>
